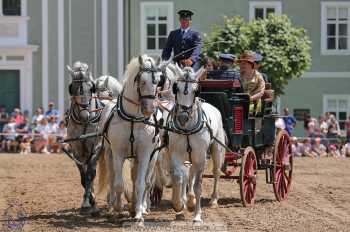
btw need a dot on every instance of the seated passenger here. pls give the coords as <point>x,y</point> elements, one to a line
<point>225,70</point>
<point>253,81</point>
<point>209,65</point>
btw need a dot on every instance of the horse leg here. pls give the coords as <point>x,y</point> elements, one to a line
<point>177,175</point>
<point>141,184</point>
<point>217,156</point>
<point>150,178</point>
<point>198,190</point>
<point>90,176</point>
<point>191,199</point>
<point>85,205</point>
<point>118,185</point>
<point>111,193</point>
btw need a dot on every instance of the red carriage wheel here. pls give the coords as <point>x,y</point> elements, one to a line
<point>248,176</point>
<point>156,195</point>
<point>282,166</point>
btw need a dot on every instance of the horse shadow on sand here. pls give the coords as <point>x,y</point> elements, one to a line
<point>71,219</point>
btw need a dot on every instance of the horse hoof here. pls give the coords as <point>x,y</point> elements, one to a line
<point>197,220</point>
<point>213,204</point>
<point>139,222</point>
<point>93,211</point>
<point>191,203</point>
<point>180,217</point>
<point>84,211</point>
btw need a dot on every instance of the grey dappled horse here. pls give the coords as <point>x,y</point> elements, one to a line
<point>83,117</point>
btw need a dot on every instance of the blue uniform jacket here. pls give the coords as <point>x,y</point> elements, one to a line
<point>227,74</point>
<point>180,43</point>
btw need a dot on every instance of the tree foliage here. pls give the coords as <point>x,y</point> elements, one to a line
<point>286,49</point>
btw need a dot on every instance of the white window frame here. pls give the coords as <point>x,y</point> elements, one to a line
<point>170,24</point>
<point>277,5</point>
<point>324,50</point>
<point>336,97</point>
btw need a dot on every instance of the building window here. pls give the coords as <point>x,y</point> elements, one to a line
<point>156,24</point>
<point>335,28</point>
<point>338,105</point>
<point>11,7</point>
<point>261,10</point>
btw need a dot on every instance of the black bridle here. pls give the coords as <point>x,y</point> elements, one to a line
<point>74,112</point>
<point>187,109</point>
<point>142,70</point>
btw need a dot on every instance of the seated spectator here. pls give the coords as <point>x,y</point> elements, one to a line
<point>4,117</point>
<point>333,127</point>
<point>319,148</point>
<point>334,151</point>
<point>306,149</point>
<point>38,115</point>
<point>22,128</point>
<point>52,128</point>
<point>346,149</point>
<point>61,134</point>
<point>323,126</point>
<point>25,145</point>
<point>41,137</point>
<point>52,111</point>
<point>9,142</point>
<point>296,147</point>
<point>19,117</point>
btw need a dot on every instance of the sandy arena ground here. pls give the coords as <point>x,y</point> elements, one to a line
<point>47,189</point>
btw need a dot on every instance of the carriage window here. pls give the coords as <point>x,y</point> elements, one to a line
<point>335,25</point>
<point>339,106</point>
<point>11,7</point>
<point>156,19</point>
<point>261,10</point>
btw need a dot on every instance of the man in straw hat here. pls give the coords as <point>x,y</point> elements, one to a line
<point>185,42</point>
<point>253,81</point>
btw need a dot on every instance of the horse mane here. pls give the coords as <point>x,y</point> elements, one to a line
<point>134,66</point>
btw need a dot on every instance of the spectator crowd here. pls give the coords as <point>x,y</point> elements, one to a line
<point>323,138</point>
<point>39,134</point>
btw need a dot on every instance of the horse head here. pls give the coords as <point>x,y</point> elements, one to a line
<point>146,80</point>
<point>81,88</point>
<point>185,89</point>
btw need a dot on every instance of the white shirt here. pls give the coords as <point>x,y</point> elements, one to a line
<point>184,31</point>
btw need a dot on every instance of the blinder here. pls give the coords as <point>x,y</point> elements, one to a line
<point>151,70</point>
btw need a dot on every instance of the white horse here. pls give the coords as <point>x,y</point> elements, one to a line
<point>129,136</point>
<point>195,123</point>
<point>107,87</point>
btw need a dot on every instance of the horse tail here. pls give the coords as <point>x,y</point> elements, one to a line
<point>102,172</point>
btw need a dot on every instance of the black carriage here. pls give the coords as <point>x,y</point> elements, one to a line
<point>254,142</point>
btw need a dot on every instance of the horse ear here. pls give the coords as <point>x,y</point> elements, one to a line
<point>164,64</point>
<point>158,61</point>
<point>69,69</point>
<point>141,60</point>
<point>178,70</point>
<point>199,73</point>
